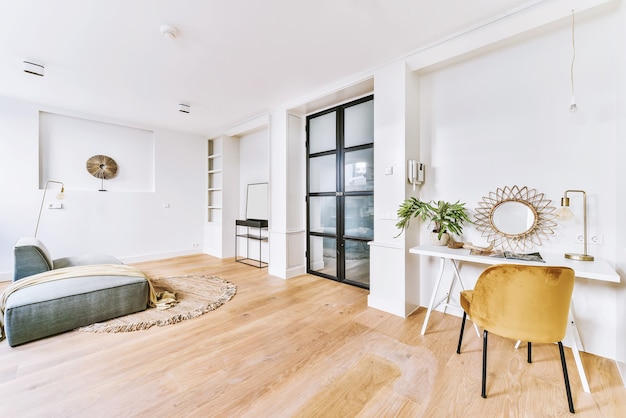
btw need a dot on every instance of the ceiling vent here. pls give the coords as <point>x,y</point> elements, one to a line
<point>32,68</point>
<point>184,108</point>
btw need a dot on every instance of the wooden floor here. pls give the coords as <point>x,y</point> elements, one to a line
<point>304,347</point>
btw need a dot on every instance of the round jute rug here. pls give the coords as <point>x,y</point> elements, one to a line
<point>197,294</point>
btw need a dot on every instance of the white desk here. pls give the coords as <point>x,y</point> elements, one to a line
<point>595,270</point>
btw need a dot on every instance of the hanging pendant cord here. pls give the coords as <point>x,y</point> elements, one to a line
<point>573,55</point>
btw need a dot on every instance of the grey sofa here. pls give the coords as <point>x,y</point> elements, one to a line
<point>54,307</point>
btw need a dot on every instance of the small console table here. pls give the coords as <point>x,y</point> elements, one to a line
<point>255,232</point>
<point>595,270</point>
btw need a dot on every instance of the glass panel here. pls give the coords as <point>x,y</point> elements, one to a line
<point>322,133</point>
<point>359,170</point>
<point>359,217</point>
<point>323,255</point>
<point>322,176</point>
<point>357,262</point>
<point>359,124</point>
<point>323,214</point>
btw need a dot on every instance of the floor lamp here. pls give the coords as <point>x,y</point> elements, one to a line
<point>60,196</point>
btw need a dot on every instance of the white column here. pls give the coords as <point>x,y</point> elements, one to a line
<point>394,285</point>
<point>287,192</point>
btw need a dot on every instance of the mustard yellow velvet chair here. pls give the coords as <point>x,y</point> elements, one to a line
<point>525,303</point>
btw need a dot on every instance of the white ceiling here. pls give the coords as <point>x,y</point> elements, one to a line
<point>233,59</point>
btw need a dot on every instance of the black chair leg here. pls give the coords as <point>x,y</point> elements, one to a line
<point>458,349</point>
<point>566,377</point>
<point>484,384</point>
<point>530,349</point>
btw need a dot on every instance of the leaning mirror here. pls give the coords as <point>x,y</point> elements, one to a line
<point>514,218</point>
<point>256,202</point>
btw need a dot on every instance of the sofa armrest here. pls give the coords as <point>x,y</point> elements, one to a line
<point>30,257</point>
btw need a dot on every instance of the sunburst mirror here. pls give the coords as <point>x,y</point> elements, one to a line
<point>515,219</point>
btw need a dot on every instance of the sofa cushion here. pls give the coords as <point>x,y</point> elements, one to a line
<point>30,257</point>
<point>84,260</point>
<point>54,307</point>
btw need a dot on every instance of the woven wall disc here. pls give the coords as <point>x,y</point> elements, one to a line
<point>102,167</point>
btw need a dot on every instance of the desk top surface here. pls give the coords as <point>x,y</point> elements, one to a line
<point>599,269</point>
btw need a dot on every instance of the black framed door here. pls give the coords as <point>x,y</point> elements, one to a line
<point>340,191</point>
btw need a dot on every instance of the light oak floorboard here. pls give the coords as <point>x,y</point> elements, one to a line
<point>304,347</point>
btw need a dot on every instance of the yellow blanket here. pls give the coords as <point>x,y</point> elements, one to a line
<point>71,272</point>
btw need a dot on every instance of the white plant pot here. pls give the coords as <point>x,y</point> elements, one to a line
<point>434,238</point>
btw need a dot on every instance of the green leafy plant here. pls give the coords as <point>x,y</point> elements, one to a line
<point>446,216</point>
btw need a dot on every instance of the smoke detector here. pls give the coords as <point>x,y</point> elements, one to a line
<point>170,32</point>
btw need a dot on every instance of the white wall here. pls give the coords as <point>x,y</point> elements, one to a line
<point>502,119</point>
<point>620,155</point>
<point>65,144</point>
<point>129,225</point>
<point>253,163</point>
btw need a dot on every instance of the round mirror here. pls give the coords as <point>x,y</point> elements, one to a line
<point>513,218</point>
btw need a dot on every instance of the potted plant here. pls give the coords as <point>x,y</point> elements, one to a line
<point>447,218</point>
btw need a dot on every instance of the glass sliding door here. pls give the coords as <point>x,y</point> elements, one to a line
<point>340,191</point>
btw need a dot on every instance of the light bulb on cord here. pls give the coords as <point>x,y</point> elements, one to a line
<point>572,107</point>
<point>565,213</point>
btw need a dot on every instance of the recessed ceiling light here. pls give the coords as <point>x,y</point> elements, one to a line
<point>170,32</point>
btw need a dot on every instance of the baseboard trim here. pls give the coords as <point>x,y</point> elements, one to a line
<point>158,256</point>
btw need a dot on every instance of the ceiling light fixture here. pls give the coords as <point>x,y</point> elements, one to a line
<point>170,32</point>
<point>33,68</point>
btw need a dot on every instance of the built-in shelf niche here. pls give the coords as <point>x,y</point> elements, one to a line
<point>214,180</point>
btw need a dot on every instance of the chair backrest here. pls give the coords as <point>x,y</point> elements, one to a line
<point>528,303</point>
<point>30,257</point>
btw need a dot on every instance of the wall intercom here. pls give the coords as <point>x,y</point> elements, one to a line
<point>415,172</point>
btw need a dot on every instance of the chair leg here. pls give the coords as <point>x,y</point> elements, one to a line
<point>484,384</point>
<point>458,349</point>
<point>530,349</point>
<point>566,377</point>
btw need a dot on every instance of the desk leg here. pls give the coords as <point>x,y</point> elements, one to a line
<point>431,304</point>
<point>458,277</point>
<point>576,343</point>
